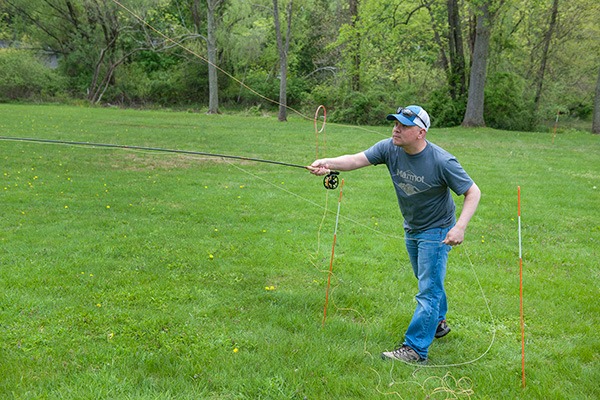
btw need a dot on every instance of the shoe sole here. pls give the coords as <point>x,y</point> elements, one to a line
<point>392,358</point>
<point>415,362</point>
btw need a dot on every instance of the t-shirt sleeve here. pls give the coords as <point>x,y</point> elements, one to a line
<point>377,154</point>
<point>456,177</point>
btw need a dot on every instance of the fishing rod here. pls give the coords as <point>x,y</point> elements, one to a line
<point>330,181</point>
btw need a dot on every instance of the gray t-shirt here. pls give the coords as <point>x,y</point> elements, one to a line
<point>423,182</point>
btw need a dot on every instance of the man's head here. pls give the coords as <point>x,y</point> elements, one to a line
<point>411,116</point>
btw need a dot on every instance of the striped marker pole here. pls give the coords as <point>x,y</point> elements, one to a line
<point>521,289</point>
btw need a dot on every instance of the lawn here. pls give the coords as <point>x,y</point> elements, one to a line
<point>150,275</point>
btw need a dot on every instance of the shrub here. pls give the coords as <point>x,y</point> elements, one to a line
<point>507,105</point>
<point>24,76</point>
<point>443,110</point>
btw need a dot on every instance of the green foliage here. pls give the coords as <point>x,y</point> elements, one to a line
<point>24,76</point>
<point>261,82</point>
<point>443,110</point>
<point>581,110</point>
<point>360,108</point>
<point>507,104</point>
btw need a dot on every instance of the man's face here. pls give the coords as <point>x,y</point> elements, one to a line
<point>403,135</point>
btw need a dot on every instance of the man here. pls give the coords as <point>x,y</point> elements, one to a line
<point>423,175</point>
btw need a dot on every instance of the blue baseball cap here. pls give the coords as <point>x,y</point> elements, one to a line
<point>411,116</point>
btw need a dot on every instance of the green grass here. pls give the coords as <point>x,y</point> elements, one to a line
<point>141,275</point>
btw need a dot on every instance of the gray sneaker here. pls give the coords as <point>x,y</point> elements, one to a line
<point>403,353</point>
<point>442,329</point>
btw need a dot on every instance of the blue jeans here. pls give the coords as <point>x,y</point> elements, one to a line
<point>428,256</point>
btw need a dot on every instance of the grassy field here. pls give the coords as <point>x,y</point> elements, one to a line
<point>143,275</point>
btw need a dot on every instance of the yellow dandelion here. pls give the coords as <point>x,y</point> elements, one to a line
<point>236,350</point>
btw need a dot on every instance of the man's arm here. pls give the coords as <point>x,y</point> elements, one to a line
<point>456,235</point>
<point>347,162</point>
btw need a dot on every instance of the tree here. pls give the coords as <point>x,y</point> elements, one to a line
<point>354,47</point>
<point>283,56</point>
<point>545,51</point>
<point>211,44</point>
<point>457,76</point>
<point>476,97</point>
<point>87,33</point>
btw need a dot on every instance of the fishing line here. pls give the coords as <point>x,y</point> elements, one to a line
<point>242,84</point>
<point>448,385</point>
<point>192,52</point>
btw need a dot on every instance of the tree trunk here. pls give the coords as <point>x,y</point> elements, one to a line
<point>211,44</point>
<point>283,59</point>
<point>475,101</point>
<point>544,60</point>
<point>355,47</point>
<point>457,77</point>
<point>596,122</point>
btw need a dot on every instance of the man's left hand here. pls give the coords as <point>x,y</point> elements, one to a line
<point>455,236</point>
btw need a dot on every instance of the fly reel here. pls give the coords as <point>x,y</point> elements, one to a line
<point>331,180</point>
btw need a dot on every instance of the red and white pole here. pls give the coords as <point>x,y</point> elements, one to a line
<point>521,289</point>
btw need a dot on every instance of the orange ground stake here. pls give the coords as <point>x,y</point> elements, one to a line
<point>555,126</point>
<point>337,218</point>
<point>521,291</point>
